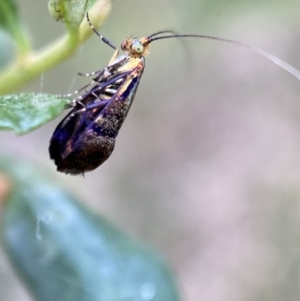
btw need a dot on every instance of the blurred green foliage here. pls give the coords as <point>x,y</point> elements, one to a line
<point>64,251</point>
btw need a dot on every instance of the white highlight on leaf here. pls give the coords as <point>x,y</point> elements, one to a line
<point>148,291</point>
<point>46,219</point>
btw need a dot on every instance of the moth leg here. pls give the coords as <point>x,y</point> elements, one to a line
<point>95,80</point>
<point>97,105</point>
<point>108,68</point>
<point>103,103</point>
<point>101,71</point>
<point>100,87</point>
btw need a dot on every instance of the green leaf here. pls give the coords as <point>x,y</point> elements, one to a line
<point>69,11</point>
<point>9,16</point>
<point>22,113</point>
<point>90,3</point>
<point>63,251</point>
<point>56,9</point>
<point>9,21</point>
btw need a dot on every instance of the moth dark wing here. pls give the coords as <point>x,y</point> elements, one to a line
<point>86,136</point>
<point>64,135</point>
<point>85,140</point>
<point>90,151</point>
<point>71,136</point>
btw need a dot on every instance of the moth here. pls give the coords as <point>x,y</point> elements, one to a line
<point>86,137</point>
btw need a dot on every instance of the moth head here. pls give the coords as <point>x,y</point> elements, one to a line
<point>136,47</point>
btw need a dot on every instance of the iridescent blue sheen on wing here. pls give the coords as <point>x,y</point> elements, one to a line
<point>85,138</point>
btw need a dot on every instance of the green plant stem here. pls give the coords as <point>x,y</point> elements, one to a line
<point>30,66</point>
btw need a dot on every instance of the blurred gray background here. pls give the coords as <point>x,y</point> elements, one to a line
<point>207,165</point>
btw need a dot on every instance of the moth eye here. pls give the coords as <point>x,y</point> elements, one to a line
<point>123,45</point>
<point>137,47</point>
